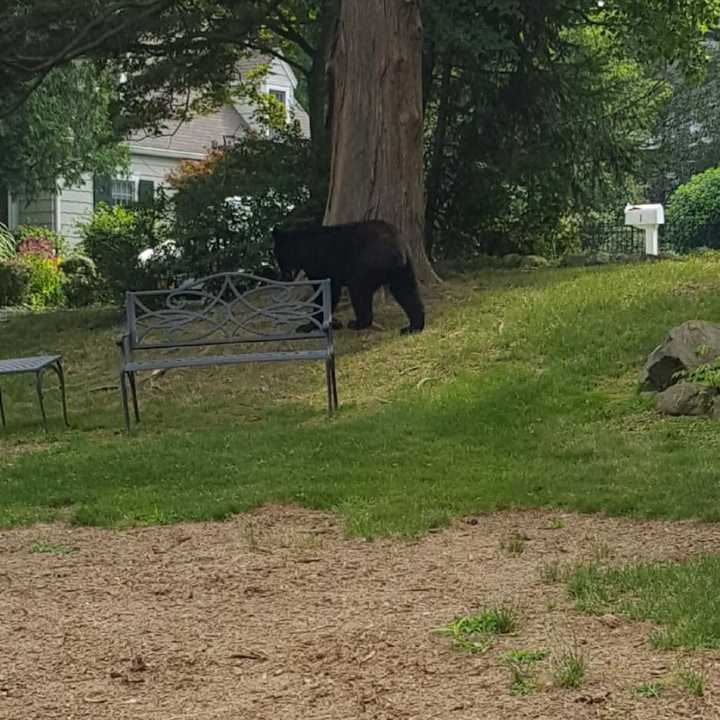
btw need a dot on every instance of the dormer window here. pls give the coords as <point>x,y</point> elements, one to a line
<point>280,96</point>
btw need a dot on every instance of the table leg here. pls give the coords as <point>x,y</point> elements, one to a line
<point>61,377</point>
<point>39,388</point>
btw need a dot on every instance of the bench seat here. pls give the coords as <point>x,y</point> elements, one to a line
<point>207,360</point>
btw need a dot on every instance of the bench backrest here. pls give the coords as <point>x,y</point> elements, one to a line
<point>228,308</point>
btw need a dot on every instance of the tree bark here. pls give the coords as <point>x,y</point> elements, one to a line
<point>376,121</point>
<point>317,77</point>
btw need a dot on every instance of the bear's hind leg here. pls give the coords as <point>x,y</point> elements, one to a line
<point>404,289</point>
<point>362,302</point>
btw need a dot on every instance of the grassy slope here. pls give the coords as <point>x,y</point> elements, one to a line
<point>522,392</point>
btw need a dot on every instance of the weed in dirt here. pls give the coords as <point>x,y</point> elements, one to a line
<point>514,545</point>
<point>650,690</point>
<point>552,572</point>
<point>51,549</point>
<point>601,551</point>
<point>692,680</point>
<point>682,598</point>
<point>557,524</point>
<point>569,668</point>
<point>522,665</point>
<point>475,633</point>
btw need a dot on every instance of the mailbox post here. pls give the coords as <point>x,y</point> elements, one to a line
<point>647,218</point>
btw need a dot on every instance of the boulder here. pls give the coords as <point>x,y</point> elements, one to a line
<point>574,260</point>
<point>686,398</point>
<point>715,409</point>
<point>530,262</point>
<point>512,260</point>
<point>599,258</point>
<point>685,347</point>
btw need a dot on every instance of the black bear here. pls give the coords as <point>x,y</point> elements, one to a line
<point>362,256</point>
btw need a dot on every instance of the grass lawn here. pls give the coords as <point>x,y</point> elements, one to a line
<point>522,392</point>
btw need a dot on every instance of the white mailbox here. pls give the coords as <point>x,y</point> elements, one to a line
<point>647,218</point>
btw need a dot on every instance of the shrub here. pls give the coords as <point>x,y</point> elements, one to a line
<point>14,282</point>
<point>226,205</point>
<point>45,285</point>
<point>693,213</point>
<point>82,282</point>
<point>39,240</point>
<point>114,238</point>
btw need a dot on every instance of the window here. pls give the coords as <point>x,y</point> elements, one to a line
<point>279,95</point>
<point>123,191</point>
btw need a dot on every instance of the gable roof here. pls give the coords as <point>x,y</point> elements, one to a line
<point>192,139</point>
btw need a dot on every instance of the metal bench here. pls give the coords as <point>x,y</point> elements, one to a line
<point>238,318</point>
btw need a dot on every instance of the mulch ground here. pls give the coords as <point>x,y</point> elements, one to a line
<point>276,614</point>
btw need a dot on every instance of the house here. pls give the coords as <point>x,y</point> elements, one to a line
<point>152,159</point>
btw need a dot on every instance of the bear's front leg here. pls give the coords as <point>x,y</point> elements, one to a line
<point>361,298</point>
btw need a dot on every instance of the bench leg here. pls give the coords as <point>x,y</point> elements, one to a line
<point>124,395</point>
<point>329,382</point>
<point>133,392</point>
<point>334,383</point>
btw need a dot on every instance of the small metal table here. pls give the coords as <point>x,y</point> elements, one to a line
<point>37,365</point>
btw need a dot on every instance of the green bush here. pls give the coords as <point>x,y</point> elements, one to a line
<point>114,238</point>
<point>14,282</point>
<point>693,213</point>
<point>226,205</point>
<point>45,285</point>
<point>82,282</point>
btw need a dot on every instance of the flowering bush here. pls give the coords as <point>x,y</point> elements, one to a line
<point>38,240</point>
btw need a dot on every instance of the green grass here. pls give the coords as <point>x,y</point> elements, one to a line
<point>650,690</point>
<point>522,665</point>
<point>569,669</point>
<point>475,633</point>
<point>693,681</point>
<point>51,549</point>
<point>682,598</point>
<point>522,392</point>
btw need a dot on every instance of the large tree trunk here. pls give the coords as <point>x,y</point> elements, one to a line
<point>376,121</point>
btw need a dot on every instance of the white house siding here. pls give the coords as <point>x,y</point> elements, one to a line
<point>149,167</point>
<point>76,205</point>
<point>197,135</point>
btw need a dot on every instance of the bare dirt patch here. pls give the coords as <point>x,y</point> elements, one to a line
<point>277,615</point>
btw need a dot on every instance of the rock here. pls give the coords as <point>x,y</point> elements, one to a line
<point>685,347</point>
<point>687,398</point>
<point>512,260</point>
<point>598,258</point>
<point>715,409</point>
<point>574,260</point>
<point>530,262</point>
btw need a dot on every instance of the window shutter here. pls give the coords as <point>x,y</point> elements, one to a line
<point>146,193</point>
<point>102,190</point>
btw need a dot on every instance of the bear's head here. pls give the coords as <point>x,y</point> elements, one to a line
<point>286,254</point>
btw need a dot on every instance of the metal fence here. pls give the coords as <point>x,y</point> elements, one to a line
<point>611,236</point>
